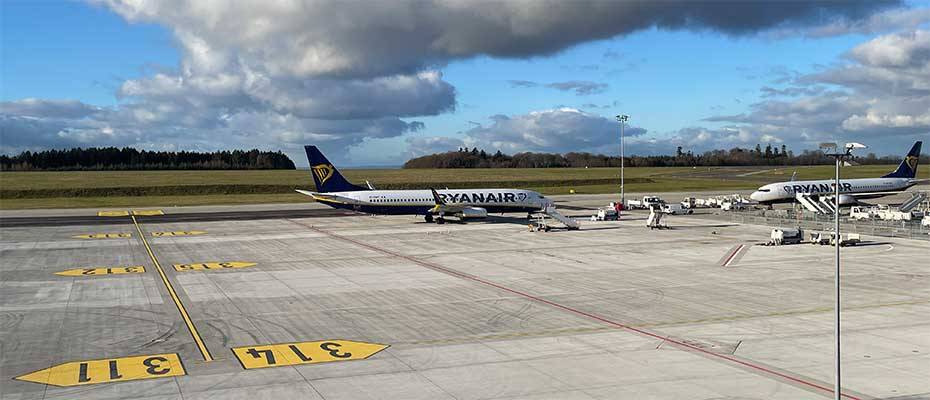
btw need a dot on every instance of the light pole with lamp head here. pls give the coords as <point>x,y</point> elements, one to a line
<point>622,118</point>
<point>838,156</point>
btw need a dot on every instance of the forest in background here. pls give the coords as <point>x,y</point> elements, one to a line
<point>127,158</point>
<point>737,156</point>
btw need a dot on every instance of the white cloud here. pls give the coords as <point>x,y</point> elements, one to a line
<point>883,22</point>
<point>581,88</point>
<point>557,130</point>
<point>902,50</point>
<point>382,38</point>
<point>881,95</point>
<point>31,107</point>
<point>275,74</point>
<point>418,146</point>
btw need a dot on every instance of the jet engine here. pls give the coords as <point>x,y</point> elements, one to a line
<point>847,200</point>
<point>472,212</point>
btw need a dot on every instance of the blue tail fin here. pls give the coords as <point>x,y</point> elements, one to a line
<point>908,167</point>
<point>325,175</point>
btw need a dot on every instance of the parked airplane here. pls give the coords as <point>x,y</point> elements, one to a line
<point>335,191</point>
<point>851,190</point>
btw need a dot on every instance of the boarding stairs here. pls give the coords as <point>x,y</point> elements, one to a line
<point>809,203</point>
<point>828,204</point>
<point>823,205</point>
<point>912,202</point>
<point>568,222</point>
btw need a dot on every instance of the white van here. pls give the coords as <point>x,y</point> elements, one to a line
<point>676,209</point>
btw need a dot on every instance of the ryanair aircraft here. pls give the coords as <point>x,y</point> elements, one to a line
<point>335,191</point>
<point>851,190</point>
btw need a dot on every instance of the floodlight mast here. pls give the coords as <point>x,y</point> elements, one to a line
<point>622,118</point>
<point>838,156</point>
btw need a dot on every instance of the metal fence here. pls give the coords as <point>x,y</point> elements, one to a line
<point>811,221</point>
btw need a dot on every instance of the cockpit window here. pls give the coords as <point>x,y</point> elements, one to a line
<point>765,190</point>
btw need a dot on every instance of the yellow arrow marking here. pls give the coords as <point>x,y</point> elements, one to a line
<point>103,236</point>
<point>276,355</point>
<point>212,265</point>
<point>144,213</point>
<point>108,370</point>
<point>135,269</point>
<point>178,233</point>
<point>113,213</point>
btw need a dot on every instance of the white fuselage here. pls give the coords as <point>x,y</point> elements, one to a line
<point>782,192</point>
<point>420,201</point>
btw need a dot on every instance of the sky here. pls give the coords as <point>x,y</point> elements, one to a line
<point>375,83</point>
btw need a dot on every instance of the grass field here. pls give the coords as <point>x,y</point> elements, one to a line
<point>20,190</point>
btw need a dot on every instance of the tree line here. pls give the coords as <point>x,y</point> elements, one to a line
<point>127,158</point>
<point>737,156</point>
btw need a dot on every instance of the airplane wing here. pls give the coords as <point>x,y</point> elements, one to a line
<point>872,194</point>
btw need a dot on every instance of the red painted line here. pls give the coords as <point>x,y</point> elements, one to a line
<point>730,258</point>
<point>678,343</point>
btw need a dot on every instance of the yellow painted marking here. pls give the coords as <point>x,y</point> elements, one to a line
<point>174,296</point>
<point>212,265</point>
<point>135,269</point>
<point>178,233</point>
<point>108,370</point>
<point>277,355</point>
<point>144,213</point>
<point>113,213</point>
<point>103,236</point>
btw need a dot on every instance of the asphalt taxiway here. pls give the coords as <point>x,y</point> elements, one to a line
<point>305,304</point>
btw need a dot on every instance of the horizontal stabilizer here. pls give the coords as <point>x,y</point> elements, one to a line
<point>326,197</point>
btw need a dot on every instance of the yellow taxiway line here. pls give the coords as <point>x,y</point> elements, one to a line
<point>174,296</point>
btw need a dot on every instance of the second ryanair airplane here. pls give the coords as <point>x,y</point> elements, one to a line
<point>851,190</point>
<point>335,191</point>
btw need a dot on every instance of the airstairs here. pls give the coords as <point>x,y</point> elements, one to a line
<point>823,205</point>
<point>828,204</point>
<point>914,201</point>
<point>568,222</point>
<point>809,203</point>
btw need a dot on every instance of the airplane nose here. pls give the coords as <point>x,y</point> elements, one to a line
<point>756,196</point>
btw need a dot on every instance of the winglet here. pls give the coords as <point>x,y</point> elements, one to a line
<point>437,198</point>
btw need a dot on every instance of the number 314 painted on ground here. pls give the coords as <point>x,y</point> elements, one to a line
<point>275,355</point>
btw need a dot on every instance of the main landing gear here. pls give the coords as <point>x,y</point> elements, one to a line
<point>438,220</point>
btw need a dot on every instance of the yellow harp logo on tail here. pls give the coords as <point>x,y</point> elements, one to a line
<point>323,172</point>
<point>911,161</point>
